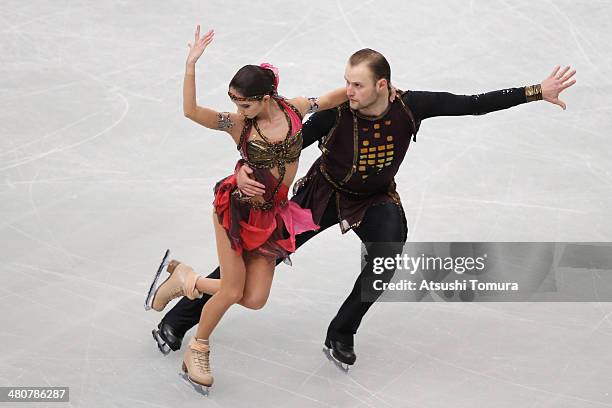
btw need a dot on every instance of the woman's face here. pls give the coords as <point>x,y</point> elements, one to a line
<point>248,109</point>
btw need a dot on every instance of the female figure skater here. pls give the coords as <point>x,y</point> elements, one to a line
<point>251,232</point>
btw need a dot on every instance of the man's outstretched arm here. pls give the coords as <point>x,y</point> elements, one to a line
<point>430,104</point>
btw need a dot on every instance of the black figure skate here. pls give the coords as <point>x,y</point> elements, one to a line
<point>341,354</point>
<point>166,339</point>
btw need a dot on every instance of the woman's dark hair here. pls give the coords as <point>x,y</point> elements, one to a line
<point>253,80</point>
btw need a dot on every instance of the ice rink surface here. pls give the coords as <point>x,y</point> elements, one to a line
<point>100,173</point>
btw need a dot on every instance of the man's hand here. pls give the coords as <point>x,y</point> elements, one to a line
<point>246,184</point>
<point>556,83</point>
<point>392,93</point>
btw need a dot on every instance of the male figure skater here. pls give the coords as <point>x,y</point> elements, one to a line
<point>363,144</point>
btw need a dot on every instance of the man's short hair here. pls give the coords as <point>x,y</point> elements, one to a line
<point>377,63</point>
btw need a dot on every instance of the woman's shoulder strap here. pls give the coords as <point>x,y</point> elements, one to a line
<point>291,106</point>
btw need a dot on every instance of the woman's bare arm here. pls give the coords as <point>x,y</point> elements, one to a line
<point>326,101</point>
<point>229,122</point>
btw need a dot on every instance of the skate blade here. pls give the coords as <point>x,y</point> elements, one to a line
<point>148,300</point>
<point>342,366</point>
<point>161,344</point>
<point>201,389</point>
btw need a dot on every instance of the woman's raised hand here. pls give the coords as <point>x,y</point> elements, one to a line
<point>199,45</point>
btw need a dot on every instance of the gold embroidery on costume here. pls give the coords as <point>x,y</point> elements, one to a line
<point>533,93</point>
<point>264,154</point>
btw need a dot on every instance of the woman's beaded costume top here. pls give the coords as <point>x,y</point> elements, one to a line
<point>266,225</point>
<point>264,154</point>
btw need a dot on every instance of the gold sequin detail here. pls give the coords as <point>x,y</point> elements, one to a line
<point>374,157</point>
<point>533,93</point>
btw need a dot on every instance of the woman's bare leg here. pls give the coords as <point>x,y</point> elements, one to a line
<point>259,274</point>
<point>233,275</point>
<point>208,285</point>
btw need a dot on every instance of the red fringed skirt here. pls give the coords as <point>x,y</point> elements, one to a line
<point>269,231</point>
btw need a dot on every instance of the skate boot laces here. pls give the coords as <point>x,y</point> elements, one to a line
<point>201,353</point>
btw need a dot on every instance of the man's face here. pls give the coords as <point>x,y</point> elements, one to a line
<point>361,89</point>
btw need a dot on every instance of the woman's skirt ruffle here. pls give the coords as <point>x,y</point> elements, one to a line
<point>267,232</point>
